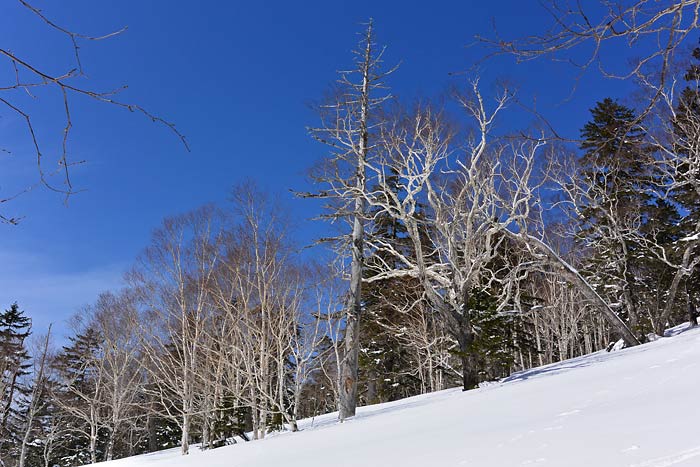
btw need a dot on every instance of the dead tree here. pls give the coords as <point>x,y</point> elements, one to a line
<point>348,123</point>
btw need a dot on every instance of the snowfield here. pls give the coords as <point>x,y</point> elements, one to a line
<point>637,407</point>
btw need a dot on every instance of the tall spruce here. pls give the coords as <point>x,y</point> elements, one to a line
<point>15,328</point>
<point>614,205</point>
<point>77,397</point>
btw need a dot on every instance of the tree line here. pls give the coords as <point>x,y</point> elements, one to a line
<point>462,254</point>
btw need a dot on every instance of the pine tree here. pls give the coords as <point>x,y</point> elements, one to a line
<point>614,204</point>
<point>15,328</point>
<point>76,397</point>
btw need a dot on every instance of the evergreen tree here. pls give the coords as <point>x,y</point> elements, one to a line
<point>502,331</point>
<point>15,328</point>
<point>384,365</point>
<point>387,366</point>
<point>77,398</point>
<point>614,205</point>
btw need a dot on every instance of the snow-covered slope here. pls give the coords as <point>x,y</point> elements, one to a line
<point>637,407</point>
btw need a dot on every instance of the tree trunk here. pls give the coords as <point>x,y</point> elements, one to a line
<point>110,444</point>
<point>93,444</point>
<point>25,443</point>
<point>263,422</point>
<point>470,378</point>
<point>293,425</point>
<point>692,309</point>
<point>692,313</point>
<point>685,269</point>
<point>206,432</point>
<point>152,434</point>
<point>255,419</point>
<point>632,312</point>
<point>185,440</point>
<point>670,300</point>
<point>465,339</point>
<point>575,278</point>
<point>348,389</point>
<point>349,368</point>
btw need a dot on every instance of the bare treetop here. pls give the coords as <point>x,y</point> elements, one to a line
<point>582,34</point>
<point>29,76</point>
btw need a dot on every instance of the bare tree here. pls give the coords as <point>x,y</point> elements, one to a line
<point>259,289</point>
<point>173,278</point>
<point>348,123</point>
<point>53,439</point>
<point>676,142</point>
<point>305,345</point>
<point>611,228</point>
<point>115,317</point>
<point>327,299</point>
<point>564,325</point>
<point>475,203</point>
<point>425,336</point>
<point>448,218</point>
<point>655,30</point>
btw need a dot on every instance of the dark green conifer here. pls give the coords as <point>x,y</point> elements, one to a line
<point>15,328</point>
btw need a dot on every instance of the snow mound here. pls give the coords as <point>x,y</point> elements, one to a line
<point>636,407</point>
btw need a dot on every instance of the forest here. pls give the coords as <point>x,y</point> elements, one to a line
<point>458,253</point>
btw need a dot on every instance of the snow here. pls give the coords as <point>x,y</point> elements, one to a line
<point>619,345</point>
<point>636,407</point>
<point>691,238</point>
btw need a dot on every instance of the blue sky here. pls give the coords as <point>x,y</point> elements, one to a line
<point>237,79</point>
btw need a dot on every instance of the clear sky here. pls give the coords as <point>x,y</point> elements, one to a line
<point>237,79</point>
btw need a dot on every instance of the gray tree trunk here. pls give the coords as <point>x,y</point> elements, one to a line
<point>349,368</point>
<point>152,433</point>
<point>110,445</point>
<point>692,309</point>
